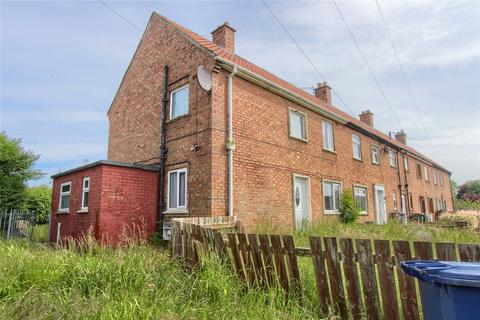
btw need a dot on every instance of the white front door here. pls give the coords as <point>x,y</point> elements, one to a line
<point>380,210</point>
<point>300,200</point>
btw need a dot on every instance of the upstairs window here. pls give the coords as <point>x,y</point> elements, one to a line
<point>435,176</point>
<point>177,189</point>
<point>327,130</point>
<point>419,171</point>
<point>405,162</point>
<point>65,190</point>
<point>375,155</point>
<point>425,171</point>
<point>392,156</point>
<point>441,179</point>
<point>360,197</point>
<point>395,201</point>
<point>298,124</point>
<point>357,148</point>
<point>179,102</point>
<point>85,193</point>
<point>331,196</point>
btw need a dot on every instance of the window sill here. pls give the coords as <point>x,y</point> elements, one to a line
<point>357,159</point>
<point>377,164</point>
<point>83,210</point>
<point>183,116</point>
<point>329,151</point>
<point>331,213</point>
<point>364,213</point>
<point>62,212</point>
<point>176,211</point>
<point>298,139</point>
<point>394,167</point>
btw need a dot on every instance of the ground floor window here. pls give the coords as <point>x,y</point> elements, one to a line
<point>360,196</point>
<point>65,190</point>
<point>177,189</point>
<point>331,196</point>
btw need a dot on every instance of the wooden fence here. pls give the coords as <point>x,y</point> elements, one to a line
<point>357,278</point>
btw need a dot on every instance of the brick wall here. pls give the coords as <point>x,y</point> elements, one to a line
<point>73,223</point>
<point>122,203</point>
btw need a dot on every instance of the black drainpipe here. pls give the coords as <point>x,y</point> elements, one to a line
<point>163,149</point>
<point>407,200</point>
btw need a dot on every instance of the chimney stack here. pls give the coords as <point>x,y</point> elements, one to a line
<point>367,117</point>
<point>401,136</point>
<point>224,36</point>
<point>323,92</point>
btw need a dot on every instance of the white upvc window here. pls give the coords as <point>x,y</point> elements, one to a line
<point>392,156</point>
<point>85,193</point>
<point>65,191</point>
<point>179,102</point>
<point>425,171</point>
<point>360,199</point>
<point>435,176</point>
<point>405,162</point>
<point>441,179</point>
<point>331,197</point>
<point>298,124</point>
<point>328,139</point>
<point>375,155</point>
<point>357,147</point>
<point>177,189</point>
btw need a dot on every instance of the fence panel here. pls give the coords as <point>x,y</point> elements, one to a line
<point>381,290</point>
<point>16,224</point>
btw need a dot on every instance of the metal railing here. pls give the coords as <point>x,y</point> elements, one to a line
<point>16,224</point>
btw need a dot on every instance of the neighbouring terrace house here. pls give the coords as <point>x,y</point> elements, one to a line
<point>196,130</point>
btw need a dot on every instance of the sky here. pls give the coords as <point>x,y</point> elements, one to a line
<point>62,63</point>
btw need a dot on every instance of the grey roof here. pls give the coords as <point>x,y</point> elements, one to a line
<point>107,162</point>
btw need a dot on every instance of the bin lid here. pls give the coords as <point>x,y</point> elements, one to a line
<point>444,272</point>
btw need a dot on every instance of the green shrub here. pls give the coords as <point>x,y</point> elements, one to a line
<point>348,212</point>
<point>466,204</point>
<point>38,200</point>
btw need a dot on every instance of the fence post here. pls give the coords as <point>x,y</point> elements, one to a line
<point>9,224</point>
<point>49,225</point>
<point>32,225</point>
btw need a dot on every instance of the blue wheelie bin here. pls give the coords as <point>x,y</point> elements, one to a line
<point>449,290</point>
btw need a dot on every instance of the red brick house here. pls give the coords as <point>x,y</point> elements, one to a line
<point>230,138</point>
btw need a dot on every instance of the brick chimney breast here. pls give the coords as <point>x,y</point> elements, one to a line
<point>367,117</point>
<point>224,36</point>
<point>401,136</point>
<point>323,92</point>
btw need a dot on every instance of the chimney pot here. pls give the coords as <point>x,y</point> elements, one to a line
<point>323,92</point>
<point>401,136</point>
<point>367,117</point>
<point>224,36</point>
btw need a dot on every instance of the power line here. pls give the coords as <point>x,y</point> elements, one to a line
<point>118,14</point>
<point>304,54</point>
<point>367,65</point>
<point>405,77</point>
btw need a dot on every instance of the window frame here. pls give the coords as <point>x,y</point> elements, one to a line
<point>171,101</point>
<point>435,178</point>
<point>442,182</point>
<point>302,114</point>
<point>418,169</point>
<point>425,172</point>
<point>85,190</point>
<point>394,153</point>
<point>178,208</point>
<point>324,123</point>
<point>410,202</point>
<point>378,154</point>
<point>359,145</point>
<point>69,194</point>
<point>395,201</point>
<point>336,210</point>
<point>366,197</point>
<point>406,165</point>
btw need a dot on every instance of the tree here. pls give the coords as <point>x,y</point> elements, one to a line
<point>348,212</point>
<point>38,200</point>
<point>470,190</point>
<point>16,168</point>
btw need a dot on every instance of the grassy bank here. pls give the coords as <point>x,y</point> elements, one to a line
<point>139,282</point>
<point>389,231</point>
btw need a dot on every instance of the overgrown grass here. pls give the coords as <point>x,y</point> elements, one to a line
<point>136,282</point>
<point>390,231</point>
<point>40,233</point>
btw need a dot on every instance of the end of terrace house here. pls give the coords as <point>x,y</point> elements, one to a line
<point>196,130</point>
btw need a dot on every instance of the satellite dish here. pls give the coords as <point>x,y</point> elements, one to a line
<point>204,78</point>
